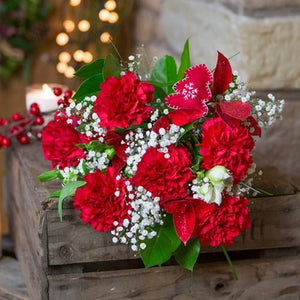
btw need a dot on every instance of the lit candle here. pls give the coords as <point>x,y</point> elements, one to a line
<point>42,94</point>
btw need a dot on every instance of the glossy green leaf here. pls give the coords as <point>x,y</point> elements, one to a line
<point>48,176</point>
<point>187,255</point>
<point>165,72</point>
<point>91,69</point>
<point>185,61</point>
<point>55,194</point>
<point>67,191</point>
<point>111,67</point>
<point>160,248</point>
<point>89,87</point>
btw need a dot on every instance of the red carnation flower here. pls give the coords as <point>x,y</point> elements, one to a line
<point>165,177</point>
<point>226,146</point>
<point>220,225</point>
<point>123,102</point>
<point>99,205</point>
<point>59,144</point>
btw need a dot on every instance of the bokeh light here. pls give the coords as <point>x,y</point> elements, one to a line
<point>62,39</point>
<point>84,25</point>
<point>105,37</point>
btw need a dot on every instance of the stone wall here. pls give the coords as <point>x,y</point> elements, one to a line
<point>265,32</point>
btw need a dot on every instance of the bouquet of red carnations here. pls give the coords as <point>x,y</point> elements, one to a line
<point>160,159</point>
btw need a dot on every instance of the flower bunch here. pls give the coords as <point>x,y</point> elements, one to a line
<point>161,163</point>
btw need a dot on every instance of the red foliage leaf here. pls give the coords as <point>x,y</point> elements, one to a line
<point>222,75</point>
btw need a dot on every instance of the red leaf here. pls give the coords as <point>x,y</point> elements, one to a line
<point>184,218</point>
<point>232,122</point>
<point>236,109</point>
<point>253,124</point>
<point>184,116</point>
<point>163,122</point>
<point>222,75</point>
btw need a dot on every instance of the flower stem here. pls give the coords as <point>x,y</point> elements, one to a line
<point>232,268</point>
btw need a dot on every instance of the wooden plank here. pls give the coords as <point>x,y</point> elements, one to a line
<point>21,193</point>
<point>276,223</point>
<point>31,266</point>
<point>12,286</point>
<point>258,279</point>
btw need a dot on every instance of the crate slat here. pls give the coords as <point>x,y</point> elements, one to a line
<point>258,279</point>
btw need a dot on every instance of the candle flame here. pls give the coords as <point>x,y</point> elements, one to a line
<point>47,89</point>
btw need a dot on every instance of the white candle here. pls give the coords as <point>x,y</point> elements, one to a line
<point>42,94</point>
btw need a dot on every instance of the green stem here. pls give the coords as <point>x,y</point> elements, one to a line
<point>232,268</point>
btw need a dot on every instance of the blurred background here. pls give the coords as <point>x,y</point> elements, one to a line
<point>47,40</point>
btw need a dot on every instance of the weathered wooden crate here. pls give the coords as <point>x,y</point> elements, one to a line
<point>69,260</point>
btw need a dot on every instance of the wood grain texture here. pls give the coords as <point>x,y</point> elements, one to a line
<point>12,286</point>
<point>258,279</point>
<point>276,223</point>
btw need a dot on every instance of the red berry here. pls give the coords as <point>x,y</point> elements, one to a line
<point>39,134</point>
<point>39,120</point>
<point>68,94</point>
<point>61,102</point>
<point>6,142</point>
<point>17,117</point>
<point>34,109</point>
<point>24,139</point>
<point>3,122</point>
<point>57,91</point>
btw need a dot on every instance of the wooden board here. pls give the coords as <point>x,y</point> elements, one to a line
<point>258,279</point>
<point>12,286</point>
<point>276,221</point>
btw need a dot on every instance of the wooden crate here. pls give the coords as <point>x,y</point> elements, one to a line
<point>70,260</point>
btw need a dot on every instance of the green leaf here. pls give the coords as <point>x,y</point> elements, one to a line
<point>187,255</point>
<point>185,61</point>
<point>68,190</point>
<point>263,191</point>
<point>91,69</point>
<point>186,128</point>
<point>233,270</point>
<point>55,194</point>
<point>48,176</point>
<point>89,87</point>
<point>165,72</point>
<point>111,67</point>
<point>159,249</point>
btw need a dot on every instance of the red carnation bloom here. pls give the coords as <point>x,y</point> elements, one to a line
<point>99,205</point>
<point>226,146</point>
<point>220,225</point>
<point>59,144</point>
<point>165,178</point>
<point>123,102</point>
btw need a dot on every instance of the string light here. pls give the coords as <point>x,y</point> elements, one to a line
<point>62,39</point>
<point>75,2</point>
<point>84,25</point>
<point>64,56</point>
<point>113,17</point>
<point>104,15</point>
<point>69,25</point>
<point>69,72</point>
<point>110,5</point>
<point>61,67</point>
<point>87,57</point>
<point>78,55</point>
<point>105,37</point>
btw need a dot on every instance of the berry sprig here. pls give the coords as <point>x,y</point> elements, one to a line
<point>25,127</point>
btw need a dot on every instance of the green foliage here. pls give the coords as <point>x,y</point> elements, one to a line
<point>55,194</point>
<point>187,255</point>
<point>89,87</point>
<point>160,248</point>
<point>185,61</point>
<point>111,67</point>
<point>164,74</point>
<point>49,175</point>
<point>89,70</point>
<point>67,191</point>
<point>99,147</point>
